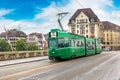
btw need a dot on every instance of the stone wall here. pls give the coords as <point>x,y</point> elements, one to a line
<point>21,54</point>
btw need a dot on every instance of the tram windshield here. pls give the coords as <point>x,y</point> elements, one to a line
<point>52,43</point>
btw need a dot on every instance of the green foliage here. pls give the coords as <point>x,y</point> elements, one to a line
<point>4,46</point>
<point>31,46</point>
<point>20,45</point>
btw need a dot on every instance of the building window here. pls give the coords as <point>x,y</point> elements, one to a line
<point>72,29</point>
<point>92,20</point>
<point>82,27</point>
<point>77,26</point>
<point>81,16</point>
<point>103,42</point>
<point>92,29</point>
<point>86,31</point>
<point>82,20</point>
<point>86,26</point>
<point>82,31</point>
<point>73,21</point>
<point>77,21</point>
<point>87,36</point>
<point>77,31</point>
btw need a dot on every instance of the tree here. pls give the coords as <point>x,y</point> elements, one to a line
<point>4,46</point>
<point>31,46</point>
<point>20,45</point>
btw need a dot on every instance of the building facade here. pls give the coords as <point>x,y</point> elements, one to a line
<point>12,36</point>
<point>85,22</point>
<point>111,36</point>
<point>37,38</point>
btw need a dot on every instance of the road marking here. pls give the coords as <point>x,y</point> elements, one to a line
<point>100,65</point>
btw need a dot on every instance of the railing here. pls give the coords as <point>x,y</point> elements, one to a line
<point>21,54</point>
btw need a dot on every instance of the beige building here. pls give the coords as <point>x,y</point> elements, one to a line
<point>37,38</point>
<point>111,37</point>
<point>85,22</point>
<point>12,36</point>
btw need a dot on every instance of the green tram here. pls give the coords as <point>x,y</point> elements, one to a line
<point>64,45</point>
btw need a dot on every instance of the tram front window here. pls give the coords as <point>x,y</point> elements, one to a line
<point>63,42</point>
<point>52,43</point>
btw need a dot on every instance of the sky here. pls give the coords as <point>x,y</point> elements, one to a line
<point>41,15</point>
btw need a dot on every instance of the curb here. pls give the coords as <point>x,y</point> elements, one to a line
<point>2,65</point>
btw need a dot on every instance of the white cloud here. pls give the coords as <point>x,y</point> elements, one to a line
<point>49,14</point>
<point>26,26</point>
<point>5,22</point>
<point>116,14</point>
<point>5,11</point>
<point>98,7</point>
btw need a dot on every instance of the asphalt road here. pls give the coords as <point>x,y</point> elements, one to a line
<point>104,66</point>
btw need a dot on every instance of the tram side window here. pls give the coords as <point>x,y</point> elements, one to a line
<point>63,42</point>
<point>93,44</point>
<point>72,43</point>
<point>98,44</point>
<point>77,43</point>
<point>82,43</point>
<point>90,45</point>
<point>66,43</point>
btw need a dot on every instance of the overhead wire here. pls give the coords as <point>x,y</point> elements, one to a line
<point>58,9</point>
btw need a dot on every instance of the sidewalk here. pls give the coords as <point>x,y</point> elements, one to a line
<point>25,60</point>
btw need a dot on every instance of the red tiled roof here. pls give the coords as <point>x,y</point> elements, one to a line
<point>13,33</point>
<point>39,35</point>
<point>110,26</point>
<point>87,11</point>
